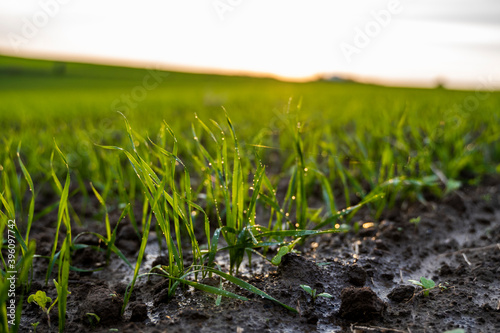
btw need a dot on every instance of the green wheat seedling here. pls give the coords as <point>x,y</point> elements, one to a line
<point>109,241</point>
<point>31,210</point>
<point>62,214</point>
<point>313,293</point>
<point>93,318</point>
<point>245,235</point>
<point>65,252</point>
<point>415,221</point>
<point>214,290</point>
<point>299,175</point>
<point>229,185</point>
<point>428,285</point>
<point>165,206</point>
<point>35,326</point>
<point>240,230</point>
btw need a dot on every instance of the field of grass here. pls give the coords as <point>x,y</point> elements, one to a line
<point>249,163</point>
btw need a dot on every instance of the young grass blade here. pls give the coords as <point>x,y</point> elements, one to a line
<point>110,244</point>
<point>62,211</point>
<point>349,210</point>
<point>32,190</point>
<point>341,173</point>
<point>20,239</point>
<point>129,132</point>
<point>142,249</point>
<point>327,192</point>
<point>8,207</point>
<point>209,289</point>
<point>46,211</point>
<point>294,233</point>
<point>103,204</point>
<point>62,286</point>
<point>247,286</point>
<point>256,189</point>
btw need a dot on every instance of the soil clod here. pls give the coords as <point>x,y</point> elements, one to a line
<point>298,270</point>
<point>356,275</point>
<point>104,303</point>
<point>139,312</point>
<point>360,304</point>
<point>401,293</point>
<point>160,260</point>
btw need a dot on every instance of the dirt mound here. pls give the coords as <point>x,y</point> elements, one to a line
<point>456,244</point>
<point>361,304</point>
<point>104,303</point>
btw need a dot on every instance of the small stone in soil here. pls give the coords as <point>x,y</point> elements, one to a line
<point>360,304</point>
<point>401,293</point>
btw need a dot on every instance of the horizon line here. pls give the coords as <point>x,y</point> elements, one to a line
<point>192,69</point>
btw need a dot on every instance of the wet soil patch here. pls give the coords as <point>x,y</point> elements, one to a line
<point>456,244</point>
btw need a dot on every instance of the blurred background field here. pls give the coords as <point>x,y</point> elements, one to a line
<point>77,104</point>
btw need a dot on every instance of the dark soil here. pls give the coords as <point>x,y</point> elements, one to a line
<point>456,244</point>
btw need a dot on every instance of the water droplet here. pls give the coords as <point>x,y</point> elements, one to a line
<point>293,197</point>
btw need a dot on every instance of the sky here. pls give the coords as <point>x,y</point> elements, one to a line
<point>394,42</point>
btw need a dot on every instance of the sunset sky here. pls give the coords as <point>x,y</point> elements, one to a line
<point>383,41</point>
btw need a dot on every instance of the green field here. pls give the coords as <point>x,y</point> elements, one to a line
<point>286,161</point>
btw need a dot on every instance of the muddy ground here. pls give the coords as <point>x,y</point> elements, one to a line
<point>456,244</point>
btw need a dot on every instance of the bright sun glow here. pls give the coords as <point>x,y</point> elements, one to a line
<point>388,41</point>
